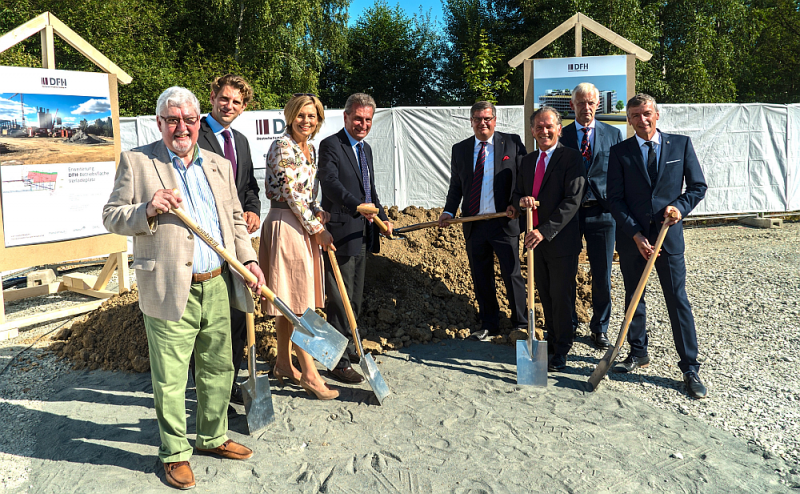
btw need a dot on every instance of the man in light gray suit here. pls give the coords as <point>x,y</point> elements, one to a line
<point>185,288</point>
<point>594,140</point>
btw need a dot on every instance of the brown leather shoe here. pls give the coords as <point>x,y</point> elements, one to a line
<point>230,450</point>
<point>179,474</point>
<point>346,375</point>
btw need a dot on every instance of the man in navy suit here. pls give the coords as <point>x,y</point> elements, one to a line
<point>553,175</point>
<point>646,174</point>
<point>483,172</point>
<point>347,177</point>
<point>594,140</point>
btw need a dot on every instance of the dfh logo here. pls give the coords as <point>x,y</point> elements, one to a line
<point>262,126</point>
<point>577,67</point>
<point>54,82</point>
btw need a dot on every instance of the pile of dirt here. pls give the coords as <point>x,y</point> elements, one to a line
<point>417,290</point>
<point>80,137</point>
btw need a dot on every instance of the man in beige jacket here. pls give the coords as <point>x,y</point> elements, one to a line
<point>185,288</point>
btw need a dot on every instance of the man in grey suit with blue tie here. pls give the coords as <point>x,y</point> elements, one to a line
<point>646,176</point>
<point>594,140</point>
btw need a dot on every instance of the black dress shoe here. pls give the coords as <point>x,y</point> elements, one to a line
<point>557,362</point>
<point>353,357</point>
<point>694,386</point>
<point>632,363</point>
<point>236,394</point>
<point>346,375</point>
<point>600,340</point>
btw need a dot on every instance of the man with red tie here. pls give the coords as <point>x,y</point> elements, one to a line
<point>483,173</point>
<point>554,175</point>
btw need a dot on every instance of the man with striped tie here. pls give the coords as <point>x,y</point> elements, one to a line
<point>483,171</point>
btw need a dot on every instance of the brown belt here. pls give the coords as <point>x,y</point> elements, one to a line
<point>201,277</point>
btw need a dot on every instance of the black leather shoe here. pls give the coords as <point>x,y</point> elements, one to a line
<point>557,362</point>
<point>694,386</point>
<point>632,363</point>
<point>353,357</point>
<point>600,340</point>
<point>236,394</point>
<point>346,375</point>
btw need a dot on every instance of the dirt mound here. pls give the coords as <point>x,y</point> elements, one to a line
<point>80,137</point>
<point>418,290</point>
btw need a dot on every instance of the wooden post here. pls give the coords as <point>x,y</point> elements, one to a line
<point>528,111</point>
<point>48,48</point>
<point>578,39</point>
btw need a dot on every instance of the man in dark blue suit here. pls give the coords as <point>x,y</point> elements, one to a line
<point>594,140</point>
<point>646,174</point>
<point>483,174</point>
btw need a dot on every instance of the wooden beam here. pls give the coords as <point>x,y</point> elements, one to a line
<point>89,51</point>
<point>23,32</point>
<point>614,38</point>
<point>9,329</point>
<point>123,272</point>
<point>107,272</point>
<point>544,41</point>
<point>48,48</point>
<point>528,111</point>
<point>578,39</point>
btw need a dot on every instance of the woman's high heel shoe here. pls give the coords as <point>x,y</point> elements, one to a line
<point>280,376</point>
<point>325,394</point>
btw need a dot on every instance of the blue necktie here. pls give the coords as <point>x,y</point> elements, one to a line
<point>362,159</point>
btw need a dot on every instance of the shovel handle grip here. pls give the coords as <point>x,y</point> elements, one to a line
<point>232,261</point>
<point>378,221</point>
<point>351,318</point>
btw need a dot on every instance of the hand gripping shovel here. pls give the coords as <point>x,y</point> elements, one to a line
<point>311,333</point>
<point>381,225</point>
<point>255,391</point>
<point>531,355</point>
<point>368,365</point>
<point>611,354</point>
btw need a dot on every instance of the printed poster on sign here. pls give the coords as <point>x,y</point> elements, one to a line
<point>555,78</point>
<point>56,154</point>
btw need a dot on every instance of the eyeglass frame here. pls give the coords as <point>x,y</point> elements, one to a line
<point>484,119</point>
<point>177,120</point>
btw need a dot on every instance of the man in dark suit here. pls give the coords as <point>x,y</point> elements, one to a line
<point>229,97</point>
<point>483,172</point>
<point>646,174</point>
<point>554,175</point>
<point>594,140</point>
<point>348,181</point>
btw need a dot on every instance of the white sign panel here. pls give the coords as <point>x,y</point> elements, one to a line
<point>56,154</point>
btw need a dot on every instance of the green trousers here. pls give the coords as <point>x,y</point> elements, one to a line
<point>204,328</point>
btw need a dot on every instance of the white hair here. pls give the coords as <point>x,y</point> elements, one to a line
<point>177,96</point>
<point>586,88</point>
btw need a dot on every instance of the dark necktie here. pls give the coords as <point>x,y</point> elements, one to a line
<point>586,148</point>
<point>474,205</point>
<point>652,163</point>
<point>230,154</point>
<point>362,162</point>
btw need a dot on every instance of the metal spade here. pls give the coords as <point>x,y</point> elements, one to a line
<point>255,391</point>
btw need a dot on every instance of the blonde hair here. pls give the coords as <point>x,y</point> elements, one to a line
<point>294,105</point>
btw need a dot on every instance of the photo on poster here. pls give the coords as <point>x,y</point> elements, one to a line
<point>47,128</point>
<point>555,78</point>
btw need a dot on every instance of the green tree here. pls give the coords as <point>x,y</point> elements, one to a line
<point>480,71</point>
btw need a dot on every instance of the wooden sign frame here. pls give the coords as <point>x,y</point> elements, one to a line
<point>114,246</point>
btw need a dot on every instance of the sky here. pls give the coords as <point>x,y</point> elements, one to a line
<point>357,7</point>
<point>71,109</point>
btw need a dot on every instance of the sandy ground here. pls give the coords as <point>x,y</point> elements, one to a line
<point>45,150</point>
<point>456,422</point>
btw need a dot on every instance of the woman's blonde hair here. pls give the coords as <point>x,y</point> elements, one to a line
<point>294,105</point>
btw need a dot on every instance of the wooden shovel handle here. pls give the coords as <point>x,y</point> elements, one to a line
<point>351,318</point>
<point>251,337</point>
<point>232,261</point>
<point>530,260</point>
<point>378,221</point>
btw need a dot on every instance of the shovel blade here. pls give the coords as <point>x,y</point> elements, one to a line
<point>532,363</point>
<point>319,339</point>
<point>257,397</point>
<point>374,378</point>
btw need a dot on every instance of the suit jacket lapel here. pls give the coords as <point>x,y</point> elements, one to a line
<point>554,158</point>
<point>207,134</point>
<point>598,138</point>
<point>163,166</point>
<point>638,159</point>
<point>348,151</point>
<point>663,158</point>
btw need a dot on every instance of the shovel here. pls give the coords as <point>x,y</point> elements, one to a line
<point>611,354</point>
<point>531,354</point>
<point>311,332</point>
<point>368,365</point>
<point>255,391</point>
<point>463,219</point>
<point>381,225</point>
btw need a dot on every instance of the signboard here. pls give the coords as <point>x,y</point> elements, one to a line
<point>555,78</point>
<point>57,154</point>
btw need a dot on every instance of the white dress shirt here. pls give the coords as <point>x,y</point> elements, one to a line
<point>592,133</point>
<point>646,149</point>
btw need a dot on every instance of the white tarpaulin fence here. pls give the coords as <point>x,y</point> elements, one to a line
<point>750,153</point>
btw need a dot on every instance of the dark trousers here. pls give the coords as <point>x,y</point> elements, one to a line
<point>598,228</point>
<point>486,240</point>
<point>671,270</point>
<point>238,338</point>
<point>555,280</point>
<point>353,269</point>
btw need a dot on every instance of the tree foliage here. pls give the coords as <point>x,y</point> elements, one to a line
<point>480,71</point>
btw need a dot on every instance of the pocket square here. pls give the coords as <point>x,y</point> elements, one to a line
<point>673,161</point>
<point>505,158</point>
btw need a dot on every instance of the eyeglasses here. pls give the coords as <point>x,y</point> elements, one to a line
<point>304,94</point>
<point>174,121</point>
<point>483,119</point>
